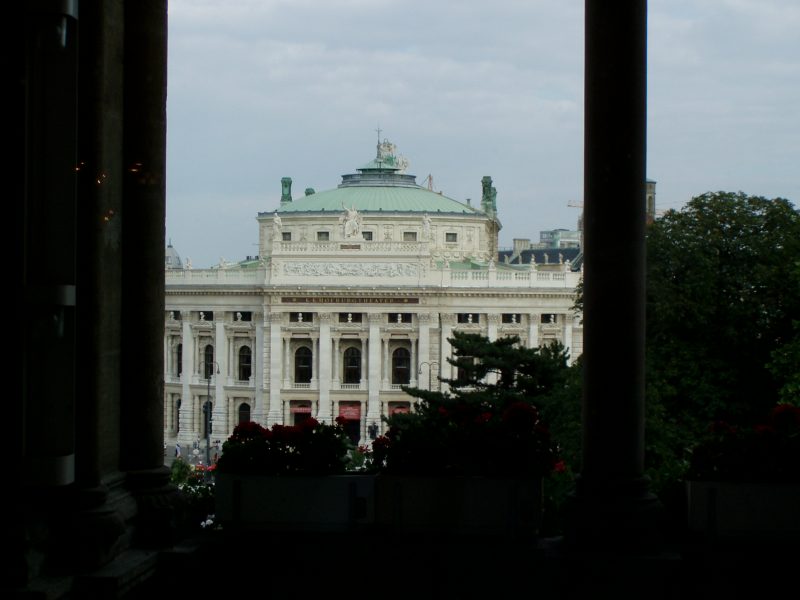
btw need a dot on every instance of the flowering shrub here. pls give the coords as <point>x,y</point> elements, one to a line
<point>457,437</point>
<point>766,451</point>
<point>309,448</point>
<point>197,486</point>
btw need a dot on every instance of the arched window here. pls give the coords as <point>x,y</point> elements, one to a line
<point>208,360</point>
<point>302,365</point>
<point>179,360</point>
<point>352,365</point>
<point>245,363</point>
<point>244,412</point>
<point>401,366</point>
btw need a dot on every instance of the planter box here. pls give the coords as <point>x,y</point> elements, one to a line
<point>295,503</point>
<point>756,510</point>
<point>459,505</point>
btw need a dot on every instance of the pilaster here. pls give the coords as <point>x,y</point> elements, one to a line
<point>274,414</point>
<point>374,377</point>
<point>324,408</point>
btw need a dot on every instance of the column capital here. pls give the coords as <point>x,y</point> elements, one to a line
<point>375,318</point>
<point>448,318</point>
<point>275,317</point>
<point>533,317</point>
<point>325,317</point>
<point>426,318</point>
<point>493,318</point>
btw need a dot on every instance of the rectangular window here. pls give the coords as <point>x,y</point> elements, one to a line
<point>244,316</point>
<point>399,317</point>
<point>512,318</point>
<point>301,317</point>
<point>286,236</point>
<point>468,318</point>
<point>323,236</point>
<point>451,238</point>
<point>549,318</point>
<point>409,236</point>
<point>367,235</point>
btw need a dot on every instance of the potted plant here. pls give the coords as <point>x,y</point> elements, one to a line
<point>291,477</point>
<point>745,480</point>
<point>471,460</point>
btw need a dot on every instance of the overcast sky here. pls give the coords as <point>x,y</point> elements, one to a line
<point>262,89</point>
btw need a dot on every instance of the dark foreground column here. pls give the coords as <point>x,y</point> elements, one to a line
<point>612,504</point>
<point>144,194</point>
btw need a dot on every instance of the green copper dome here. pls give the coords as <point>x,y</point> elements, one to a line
<point>379,186</point>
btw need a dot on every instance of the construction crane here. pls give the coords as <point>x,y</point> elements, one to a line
<point>428,182</point>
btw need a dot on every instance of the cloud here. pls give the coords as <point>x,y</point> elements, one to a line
<point>263,89</point>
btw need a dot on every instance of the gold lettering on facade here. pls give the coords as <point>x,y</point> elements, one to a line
<point>335,300</point>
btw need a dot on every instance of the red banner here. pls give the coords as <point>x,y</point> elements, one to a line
<point>350,411</point>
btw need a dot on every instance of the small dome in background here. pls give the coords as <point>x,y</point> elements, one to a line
<point>172,259</point>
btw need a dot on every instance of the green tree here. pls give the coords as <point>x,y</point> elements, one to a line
<point>722,294</point>
<point>488,422</point>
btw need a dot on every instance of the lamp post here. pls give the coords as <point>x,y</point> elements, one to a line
<point>207,409</point>
<point>430,371</point>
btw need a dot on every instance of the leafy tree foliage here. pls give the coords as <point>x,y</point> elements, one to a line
<point>488,422</point>
<point>722,294</point>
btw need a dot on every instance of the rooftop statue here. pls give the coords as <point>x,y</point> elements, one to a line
<point>352,222</point>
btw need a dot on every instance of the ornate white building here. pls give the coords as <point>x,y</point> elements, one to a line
<point>354,293</point>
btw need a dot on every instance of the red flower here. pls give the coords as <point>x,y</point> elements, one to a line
<point>560,466</point>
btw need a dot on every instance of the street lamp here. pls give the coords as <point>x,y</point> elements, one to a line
<point>430,371</point>
<point>207,410</point>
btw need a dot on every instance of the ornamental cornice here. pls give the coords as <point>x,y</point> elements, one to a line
<point>469,326</point>
<point>304,326</point>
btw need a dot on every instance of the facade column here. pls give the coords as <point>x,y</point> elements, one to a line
<point>492,325</point>
<point>324,409</point>
<point>315,361</point>
<point>287,359</point>
<point>232,421</point>
<point>231,373</point>
<point>167,350</point>
<point>336,368</point>
<point>374,377</point>
<point>533,330</point>
<point>445,368</point>
<point>274,414</point>
<point>258,373</point>
<point>386,366</point>
<point>364,349</point>
<point>185,436</point>
<point>423,350</point>
<point>413,365</point>
<point>219,421</point>
<point>568,336</point>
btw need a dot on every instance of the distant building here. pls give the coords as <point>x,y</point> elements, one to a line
<point>354,293</point>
